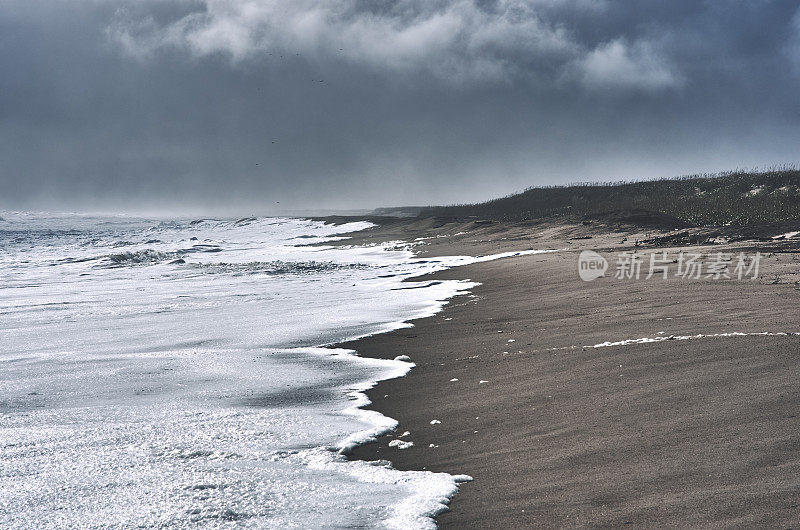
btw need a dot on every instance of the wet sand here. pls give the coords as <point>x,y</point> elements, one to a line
<point>703,432</point>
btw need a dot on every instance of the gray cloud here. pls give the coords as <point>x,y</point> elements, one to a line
<point>619,65</point>
<point>458,41</point>
<point>237,105</point>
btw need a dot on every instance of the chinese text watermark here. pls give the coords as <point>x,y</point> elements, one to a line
<point>663,265</point>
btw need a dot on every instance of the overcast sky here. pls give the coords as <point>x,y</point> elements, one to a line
<point>192,105</point>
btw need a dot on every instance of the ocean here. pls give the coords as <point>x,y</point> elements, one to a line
<point>179,373</point>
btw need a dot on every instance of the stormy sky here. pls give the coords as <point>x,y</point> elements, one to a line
<point>238,105</point>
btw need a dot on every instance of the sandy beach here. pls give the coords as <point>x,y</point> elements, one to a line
<point>692,423</point>
<point>399,264</point>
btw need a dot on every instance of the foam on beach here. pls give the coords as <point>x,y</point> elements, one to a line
<point>662,338</point>
<point>173,373</point>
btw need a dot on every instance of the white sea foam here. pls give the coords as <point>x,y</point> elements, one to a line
<point>661,338</point>
<point>171,374</point>
<point>787,235</point>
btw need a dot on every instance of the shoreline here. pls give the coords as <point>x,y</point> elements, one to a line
<point>654,433</point>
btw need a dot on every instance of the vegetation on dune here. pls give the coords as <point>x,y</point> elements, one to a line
<point>731,198</point>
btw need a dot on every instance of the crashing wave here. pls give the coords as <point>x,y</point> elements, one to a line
<point>277,267</point>
<point>117,244</point>
<point>141,256</point>
<point>203,247</point>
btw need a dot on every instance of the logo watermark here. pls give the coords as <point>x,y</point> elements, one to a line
<point>591,265</point>
<point>663,265</point>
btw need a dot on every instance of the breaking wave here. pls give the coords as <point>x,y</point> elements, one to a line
<point>140,256</point>
<point>277,267</point>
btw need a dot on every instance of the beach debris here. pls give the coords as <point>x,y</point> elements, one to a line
<point>482,382</point>
<point>400,444</point>
<point>435,422</point>
<point>453,380</point>
<point>512,340</point>
<point>500,331</point>
<point>432,446</point>
<point>404,358</point>
<point>448,318</point>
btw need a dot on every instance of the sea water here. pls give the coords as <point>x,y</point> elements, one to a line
<point>172,373</point>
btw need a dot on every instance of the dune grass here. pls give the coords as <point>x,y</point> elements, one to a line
<point>730,198</point>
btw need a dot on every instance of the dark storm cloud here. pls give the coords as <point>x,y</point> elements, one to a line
<point>239,104</point>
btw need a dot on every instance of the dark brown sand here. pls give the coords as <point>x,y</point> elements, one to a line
<point>683,433</point>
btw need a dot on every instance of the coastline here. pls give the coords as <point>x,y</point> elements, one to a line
<point>699,432</point>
